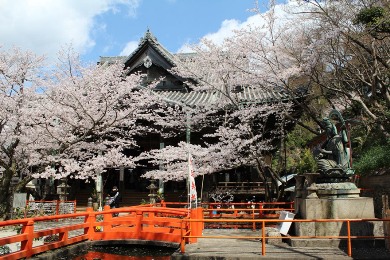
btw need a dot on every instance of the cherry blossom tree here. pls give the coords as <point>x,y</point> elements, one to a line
<point>69,120</point>
<point>18,77</point>
<point>89,116</point>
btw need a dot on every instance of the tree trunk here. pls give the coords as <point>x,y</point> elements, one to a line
<point>6,194</point>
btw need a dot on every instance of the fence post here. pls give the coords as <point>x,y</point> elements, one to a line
<point>57,207</point>
<point>182,242</point>
<point>200,216</point>
<point>263,237</point>
<point>349,238</point>
<point>26,245</point>
<point>253,217</point>
<point>386,225</point>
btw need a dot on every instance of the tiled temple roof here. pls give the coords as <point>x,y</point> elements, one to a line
<point>246,95</point>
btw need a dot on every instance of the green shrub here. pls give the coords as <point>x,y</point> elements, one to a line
<point>307,162</point>
<point>373,159</point>
<point>5,250</point>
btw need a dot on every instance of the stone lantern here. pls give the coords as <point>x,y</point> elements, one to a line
<point>152,191</point>
<point>62,190</point>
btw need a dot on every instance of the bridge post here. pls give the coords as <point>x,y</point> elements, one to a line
<point>196,227</point>
<point>138,224</point>
<point>27,244</point>
<point>90,218</point>
<point>107,218</point>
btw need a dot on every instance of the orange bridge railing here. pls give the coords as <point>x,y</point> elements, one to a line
<point>140,222</point>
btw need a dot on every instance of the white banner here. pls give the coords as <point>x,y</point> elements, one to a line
<point>191,181</point>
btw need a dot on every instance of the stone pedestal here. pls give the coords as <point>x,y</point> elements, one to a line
<point>337,200</point>
<point>333,201</point>
<point>330,200</point>
<point>334,208</point>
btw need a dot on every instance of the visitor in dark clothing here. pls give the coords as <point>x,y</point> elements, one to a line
<point>115,199</point>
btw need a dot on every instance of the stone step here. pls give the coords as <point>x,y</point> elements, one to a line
<point>325,242</point>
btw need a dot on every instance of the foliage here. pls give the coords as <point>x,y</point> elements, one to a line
<point>307,162</point>
<point>160,196</point>
<point>298,155</point>
<point>377,18</point>
<point>19,213</point>
<point>373,160</point>
<point>51,238</point>
<point>370,15</point>
<point>99,218</point>
<point>5,250</point>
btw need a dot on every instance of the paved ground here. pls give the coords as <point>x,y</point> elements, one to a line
<point>240,248</point>
<point>251,249</point>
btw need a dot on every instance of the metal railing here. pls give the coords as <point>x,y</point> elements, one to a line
<point>49,207</point>
<point>263,223</point>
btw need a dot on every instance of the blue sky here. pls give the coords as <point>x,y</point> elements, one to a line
<point>113,27</point>
<point>173,22</point>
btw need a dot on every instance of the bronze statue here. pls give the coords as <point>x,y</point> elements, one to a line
<point>334,153</point>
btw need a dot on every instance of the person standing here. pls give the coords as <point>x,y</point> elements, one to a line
<point>115,199</point>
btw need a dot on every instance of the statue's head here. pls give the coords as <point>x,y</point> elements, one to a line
<point>329,127</point>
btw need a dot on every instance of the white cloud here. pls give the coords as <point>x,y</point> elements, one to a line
<point>283,13</point>
<point>129,48</point>
<point>186,48</point>
<point>226,31</point>
<point>43,26</point>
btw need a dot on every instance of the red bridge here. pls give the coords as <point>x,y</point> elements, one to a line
<point>141,223</point>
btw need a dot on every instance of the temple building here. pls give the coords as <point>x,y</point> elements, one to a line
<point>153,60</point>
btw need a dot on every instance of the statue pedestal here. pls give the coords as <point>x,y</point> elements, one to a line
<point>339,200</point>
<point>334,208</point>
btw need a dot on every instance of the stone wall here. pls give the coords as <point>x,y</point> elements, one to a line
<point>375,187</point>
<point>369,182</point>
